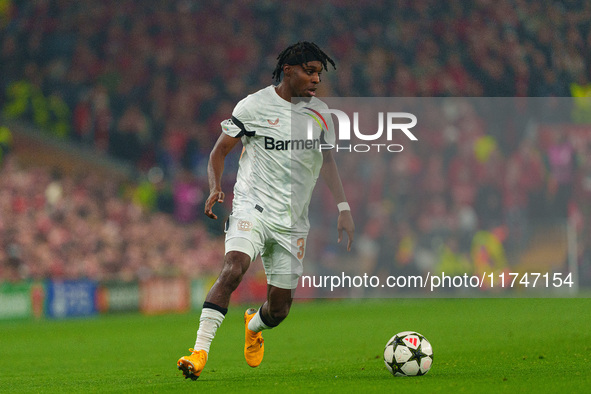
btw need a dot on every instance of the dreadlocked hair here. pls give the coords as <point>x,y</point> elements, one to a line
<point>297,51</point>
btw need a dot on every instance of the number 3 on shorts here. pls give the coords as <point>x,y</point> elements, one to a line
<point>301,243</point>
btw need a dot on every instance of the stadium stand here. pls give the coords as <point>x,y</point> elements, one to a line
<point>146,83</point>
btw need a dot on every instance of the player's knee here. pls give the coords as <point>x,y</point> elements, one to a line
<point>231,276</point>
<point>234,269</point>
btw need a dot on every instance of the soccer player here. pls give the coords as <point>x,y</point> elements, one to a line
<point>281,160</point>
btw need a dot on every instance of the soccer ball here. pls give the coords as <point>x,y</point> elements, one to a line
<point>408,353</point>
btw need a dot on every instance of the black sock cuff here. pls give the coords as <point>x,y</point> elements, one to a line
<point>267,323</point>
<point>213,306</point>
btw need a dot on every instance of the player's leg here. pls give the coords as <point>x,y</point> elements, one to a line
<point>283,270</point>
<point>214,310</point>
<point>243,243</point>
<point>217,300</point>
<point>277,306</point>
<point>235,266</point>
<point>269,315</point>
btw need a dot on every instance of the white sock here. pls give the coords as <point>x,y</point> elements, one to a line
<point>209,322</point>
<point>256,323</point>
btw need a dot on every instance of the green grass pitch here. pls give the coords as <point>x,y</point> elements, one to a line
<point>480,345</point>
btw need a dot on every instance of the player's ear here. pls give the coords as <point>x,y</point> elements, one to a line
<point>287,69</point>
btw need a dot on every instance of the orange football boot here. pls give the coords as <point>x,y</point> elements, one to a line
<point>254,345</point>
<point>192,365</point>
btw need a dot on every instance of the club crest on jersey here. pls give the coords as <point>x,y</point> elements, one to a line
<point>244,225</point>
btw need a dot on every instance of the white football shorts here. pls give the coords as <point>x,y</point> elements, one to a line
<point>282,253</point>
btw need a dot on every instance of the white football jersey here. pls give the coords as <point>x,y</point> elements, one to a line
<point>279,164</point>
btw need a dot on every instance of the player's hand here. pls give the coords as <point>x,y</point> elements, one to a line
<point>214,196</point>
<point>345,222</point>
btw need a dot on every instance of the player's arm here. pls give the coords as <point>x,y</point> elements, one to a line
<point>330,173</point>
<point>215,168</point>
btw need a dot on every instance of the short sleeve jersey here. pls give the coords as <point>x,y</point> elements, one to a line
<point>281,157</point>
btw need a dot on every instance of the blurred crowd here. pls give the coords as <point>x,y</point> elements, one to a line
<point>460,201</point>
<point>67,227</point>
<point>148,82</point>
